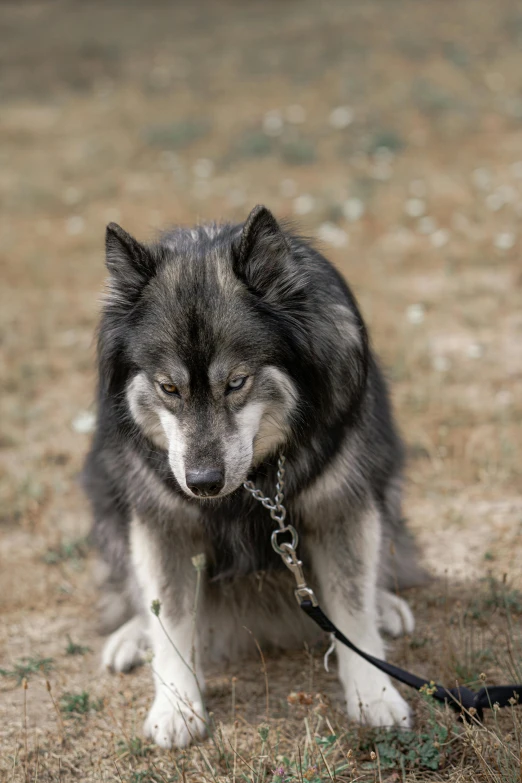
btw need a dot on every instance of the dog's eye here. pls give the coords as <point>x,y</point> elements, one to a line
<point>236,383</point>
<point>170,388</point>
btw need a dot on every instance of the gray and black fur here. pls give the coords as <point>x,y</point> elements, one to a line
<point>204,309</point>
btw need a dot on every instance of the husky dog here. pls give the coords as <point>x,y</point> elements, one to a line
<point>220,348</point>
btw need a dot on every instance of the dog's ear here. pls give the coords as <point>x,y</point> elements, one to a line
<point>261,231</point>
<point>130,264</point>
<point>262,257</point>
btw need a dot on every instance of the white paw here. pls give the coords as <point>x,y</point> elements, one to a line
<point>395,616</point>
<point>378,705</point>
<point>125,648</point>
<point>175,723</point>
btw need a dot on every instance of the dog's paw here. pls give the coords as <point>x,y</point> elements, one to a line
<point>175,724</point>
<point>125,648</point>
<point>395,616</point>
<point>378,706</point>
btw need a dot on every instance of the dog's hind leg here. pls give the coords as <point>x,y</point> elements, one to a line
<point>126,647</point>
<point>115,604</point>
<point>395,616</point>
<point>400,567</point>
<point>109,534</point>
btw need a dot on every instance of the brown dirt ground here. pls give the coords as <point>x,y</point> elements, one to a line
<point>111,111</point>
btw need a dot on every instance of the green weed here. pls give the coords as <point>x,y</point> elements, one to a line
<point>134,746</point>
<point>298,152</point>
<point>27,666</point>
<point>75,649</point>
<point>149,776</point>
<point>176,135</point>
<point>255,144</point>
<point>79,703</point>
<point>498,596</point>
<point>468,671</point>
<point>73,551</point>
<point>407,750</point>
<point>385,139</point>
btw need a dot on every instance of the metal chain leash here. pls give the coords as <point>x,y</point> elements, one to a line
<point>287,550</point>
<point>275,506</point>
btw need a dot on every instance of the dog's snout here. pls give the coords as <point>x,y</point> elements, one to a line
<point>206,482</point>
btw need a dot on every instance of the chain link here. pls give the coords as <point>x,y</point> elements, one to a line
<point>275,506</point>
<point>286,549</point>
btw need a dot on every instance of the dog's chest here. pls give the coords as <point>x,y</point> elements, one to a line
<point>238,543</point>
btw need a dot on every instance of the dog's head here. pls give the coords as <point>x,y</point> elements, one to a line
<point>204,338</point>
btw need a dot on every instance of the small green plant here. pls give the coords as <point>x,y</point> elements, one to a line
<point>315,765</point>
<point>73,551</point>
<point>418,642</point>
<point>432,99</point>
<point>79,703</point>
<point>133,746</point>
<point>26,666</point>
<point>501,596</point>
<point>176,135</point>
<point>497,596</point>
<point>388,139</point>
<point>456,54</point>
<point>298,152</point>
<point>399,749</point>
<point>149,776</point>
<point>254,144</point>
<point>473,662</point>
<point>75,649</point>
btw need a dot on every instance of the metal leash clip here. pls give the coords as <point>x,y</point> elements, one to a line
<point>286,549</point>
<point>289,556</point>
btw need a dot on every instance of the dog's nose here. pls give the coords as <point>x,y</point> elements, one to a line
<point>206,482</point>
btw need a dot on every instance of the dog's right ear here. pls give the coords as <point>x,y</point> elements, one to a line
<point>130,264</point>
<point>262,258</point>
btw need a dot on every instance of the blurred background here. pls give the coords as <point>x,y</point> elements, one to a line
<point>391,132</point>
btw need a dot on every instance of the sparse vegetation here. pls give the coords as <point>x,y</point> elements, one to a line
<point>298,152</point>
<point>69,551</point>
<point>73,648</point>
<point>79,703</point>
<point>24,668</point>
<point>253,144</point>
<point>134,746</point>
<point>176,135</point>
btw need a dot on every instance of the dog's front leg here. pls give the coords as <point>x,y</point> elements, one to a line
<point>346,560</point>
<point>168,584</point>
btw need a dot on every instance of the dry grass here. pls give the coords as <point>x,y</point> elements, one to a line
<point>114,112</point>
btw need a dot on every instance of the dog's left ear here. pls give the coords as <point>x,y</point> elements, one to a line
<point>262,257</point>
<point>131,265</point>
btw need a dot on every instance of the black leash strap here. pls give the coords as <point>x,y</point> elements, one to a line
<point>462,700</point>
